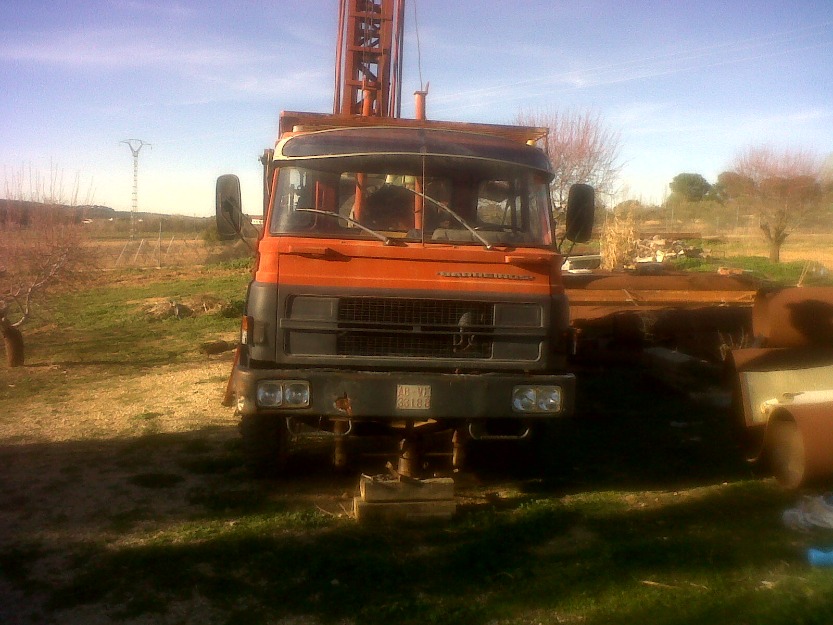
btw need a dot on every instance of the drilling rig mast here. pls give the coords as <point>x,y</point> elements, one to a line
<point>368,66</point>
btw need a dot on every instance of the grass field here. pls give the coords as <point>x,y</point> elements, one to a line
<point>800,248</point>
<point>124,499</point>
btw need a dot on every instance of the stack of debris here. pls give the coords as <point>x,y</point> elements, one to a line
<point>637,253</point>
<point>400,498</point>
<point>658,250</point>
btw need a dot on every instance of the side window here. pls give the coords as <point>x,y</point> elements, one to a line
<point>291,190</point>
<point>514,211</point>
<point>298,189</point>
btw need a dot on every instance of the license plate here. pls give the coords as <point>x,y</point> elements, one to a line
<point>413,396</point>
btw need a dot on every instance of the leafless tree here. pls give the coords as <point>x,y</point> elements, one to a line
<point>784,188</point>
<point>582,149</point>
<point>42,247</point>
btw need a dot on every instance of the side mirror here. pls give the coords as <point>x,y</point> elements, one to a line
<point>229,208</point>
<point>581,207</point>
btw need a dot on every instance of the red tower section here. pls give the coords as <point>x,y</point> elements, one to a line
<point>368,68</point>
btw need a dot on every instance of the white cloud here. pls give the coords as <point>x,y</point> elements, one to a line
<point>117,48</point>
<point>167,9</point>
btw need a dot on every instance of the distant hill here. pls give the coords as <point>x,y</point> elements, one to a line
<point>97,212</point>
<point>22,210</point>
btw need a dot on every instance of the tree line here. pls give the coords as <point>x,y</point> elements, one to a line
<point>781,189</point>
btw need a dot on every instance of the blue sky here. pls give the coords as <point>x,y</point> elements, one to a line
<point>686,84</point>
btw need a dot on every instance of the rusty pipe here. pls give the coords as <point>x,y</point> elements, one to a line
<point>368,97</point>
<point>419,104</point>
<point>799,443</point>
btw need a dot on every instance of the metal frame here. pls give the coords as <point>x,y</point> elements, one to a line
<point>369,57</point>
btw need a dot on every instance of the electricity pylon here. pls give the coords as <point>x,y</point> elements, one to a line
<point>139,144</point>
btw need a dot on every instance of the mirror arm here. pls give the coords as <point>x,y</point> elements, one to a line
<point>252,248</point>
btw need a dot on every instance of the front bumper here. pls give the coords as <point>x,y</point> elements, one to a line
<point>371,395</point>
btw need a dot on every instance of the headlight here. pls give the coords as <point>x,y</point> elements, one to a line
<point>269,394</point>
<point>296,394</point>
<point>286,393</point>
<point>549,399</point>
<point>536,399</point>
<point>523,399</point>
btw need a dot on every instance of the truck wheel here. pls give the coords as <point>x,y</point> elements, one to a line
<point>547,446</point>
<point>265,443</point>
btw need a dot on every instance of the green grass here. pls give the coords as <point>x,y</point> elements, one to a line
<point>106,323</point>
<point>73,338</point>
<point>783,273</point>
<point>633,521</point>
<point>630,524</point>
<point>713,556</point>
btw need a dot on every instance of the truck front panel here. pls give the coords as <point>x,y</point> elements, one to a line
<point>405,275</point>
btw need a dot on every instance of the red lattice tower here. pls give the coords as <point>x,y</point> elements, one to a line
<point>368,71</point>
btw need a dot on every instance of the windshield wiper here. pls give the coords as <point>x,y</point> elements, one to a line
<point>352,222</point>
<point>462,221</point>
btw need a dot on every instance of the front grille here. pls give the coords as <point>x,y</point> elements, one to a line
<point>384,327</point>
<point>413,311</point>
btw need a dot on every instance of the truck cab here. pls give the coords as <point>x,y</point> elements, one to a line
<point>407,279</point>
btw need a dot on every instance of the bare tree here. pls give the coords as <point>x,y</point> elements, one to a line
<point>582,149</point>
<point>784,189</point>
<point>41,247</point>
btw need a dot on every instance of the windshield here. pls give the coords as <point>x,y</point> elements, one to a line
<point>467,205</point>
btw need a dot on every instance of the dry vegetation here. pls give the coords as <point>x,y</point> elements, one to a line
<point>617,240</point>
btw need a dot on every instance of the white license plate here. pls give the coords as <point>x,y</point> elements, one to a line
<point>413,396</point>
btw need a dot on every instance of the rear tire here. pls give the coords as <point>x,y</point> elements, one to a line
<point>265,444</point>
<point>551,445</point>
<point>785,451</point>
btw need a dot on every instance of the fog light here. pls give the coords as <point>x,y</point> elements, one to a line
<point>536,399</point>
<point>296,394</point>
<point>269,394</point>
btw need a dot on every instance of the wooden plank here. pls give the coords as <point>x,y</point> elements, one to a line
<point>666,282</point>
<point>656,297</point>
<point>367,512</point>
<point>373,490</point>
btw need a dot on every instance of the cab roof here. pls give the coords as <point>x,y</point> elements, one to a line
<point>293,122</point>
<point>316,136</point>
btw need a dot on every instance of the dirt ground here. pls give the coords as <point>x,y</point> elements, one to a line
<point>121,459</point>
<point>118,460</point>
<point>73,470</point>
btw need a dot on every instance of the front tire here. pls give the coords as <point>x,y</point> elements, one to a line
<point>265,443</point>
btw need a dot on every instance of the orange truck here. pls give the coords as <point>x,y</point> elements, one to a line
<point>408,277</point>
<point>408,280</point>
